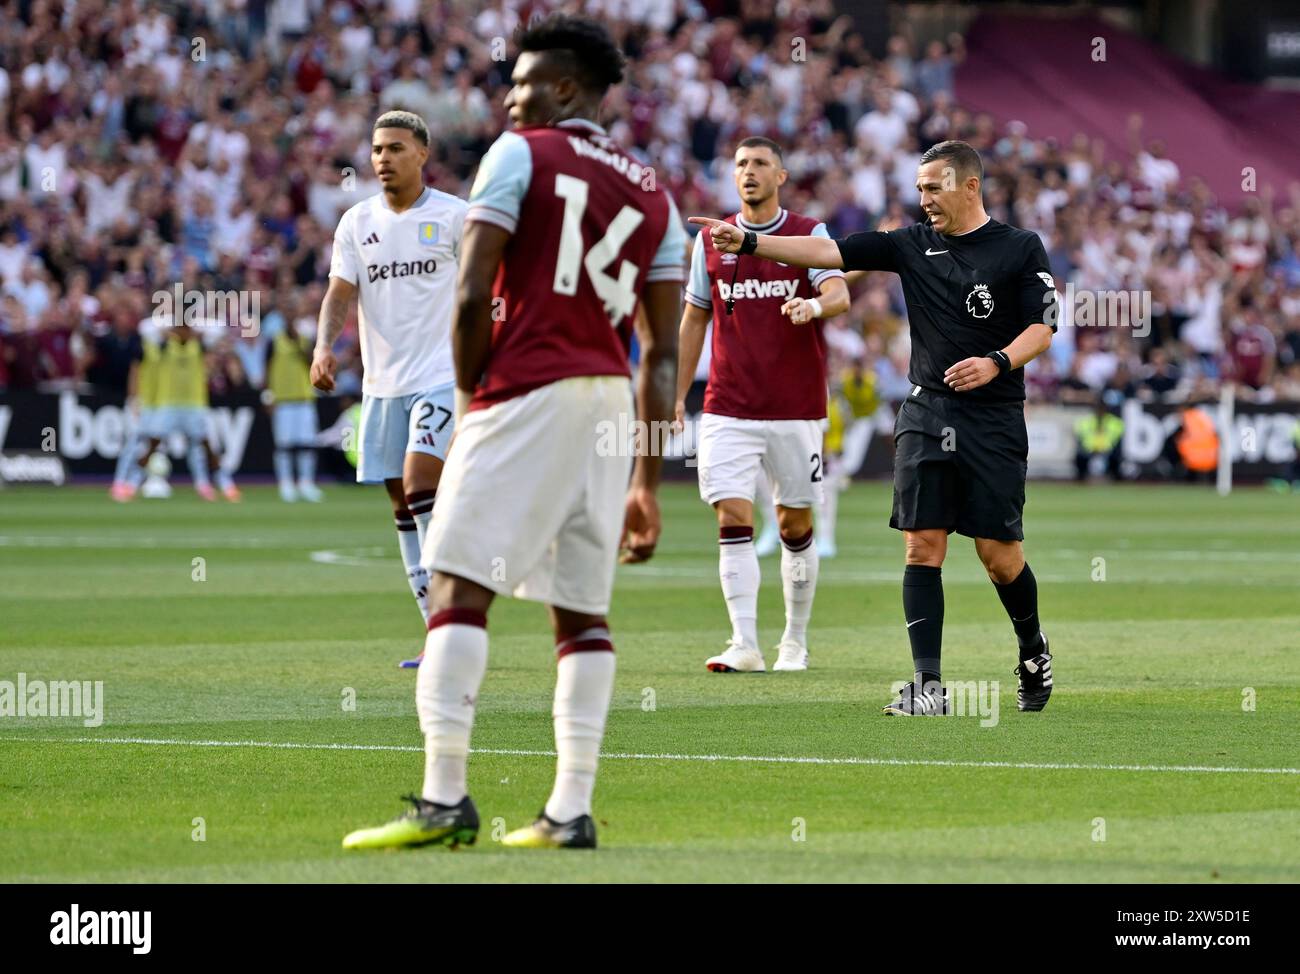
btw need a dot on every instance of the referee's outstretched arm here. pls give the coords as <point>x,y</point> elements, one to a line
<point>796,251</point>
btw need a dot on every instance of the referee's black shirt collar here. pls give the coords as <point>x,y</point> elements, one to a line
<point>968,233</point>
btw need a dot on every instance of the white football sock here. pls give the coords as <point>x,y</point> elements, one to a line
<point>738,569</point>
<point>135,475</point>
<point>127,458</point>
<point>222,476</point>
<point>420,504</point>
<point>198,460</point>
<point>306,465</point>
<point>446,690</point>
<point>283,468</point>
<point>584,683</point>
<point>416,575</point>
<point>799,563</point>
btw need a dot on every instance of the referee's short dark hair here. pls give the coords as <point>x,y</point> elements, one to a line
<point>962,156</point>
<point>760,142</point>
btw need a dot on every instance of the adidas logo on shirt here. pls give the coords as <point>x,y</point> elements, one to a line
<point>372,239</point>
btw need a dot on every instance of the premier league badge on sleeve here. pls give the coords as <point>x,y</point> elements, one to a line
<point>428,234</point>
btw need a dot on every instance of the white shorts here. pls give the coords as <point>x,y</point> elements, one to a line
<point>392,428</point>
<point>192,422</point>
<point>531,502</point>
<point>294,424</point>
<point>731,450</point>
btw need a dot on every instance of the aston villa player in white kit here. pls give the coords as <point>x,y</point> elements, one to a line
<point>396,251</point>
<point>565,237</point>
<point>764,405</point>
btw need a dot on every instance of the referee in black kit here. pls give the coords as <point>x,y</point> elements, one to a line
<point>981,303</point>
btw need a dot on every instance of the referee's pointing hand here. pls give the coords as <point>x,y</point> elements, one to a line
<point>726,237</point>
<point>971,373</point>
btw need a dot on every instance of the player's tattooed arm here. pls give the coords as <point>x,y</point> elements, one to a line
<point>690,345</point>
<point>333,316</point>
<point>481,251</point>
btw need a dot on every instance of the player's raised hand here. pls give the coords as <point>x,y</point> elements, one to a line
<point>641,526</point>
<point>798,310</point>
<point>971,373</point>
<point>726,237</point>
<point>323,367</point>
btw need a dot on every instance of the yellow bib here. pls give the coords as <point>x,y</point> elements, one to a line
<point>836,408</point>
<point>860,393</point>
<point>289,374</point>
<point>182,376</point>
<point>1101,437</point>
<point>146,375</point>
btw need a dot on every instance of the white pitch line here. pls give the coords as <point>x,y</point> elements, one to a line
<point>360,557</point>
<point>745,758</point>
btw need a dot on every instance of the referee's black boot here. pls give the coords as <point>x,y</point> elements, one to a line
<point>914,701</point>
<point>1035,679</point>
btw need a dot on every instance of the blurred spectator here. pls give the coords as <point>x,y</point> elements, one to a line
<point>1252,352</point>
<point>935,73</point>
<point>1160,377</point>
<point>1098,437</point>
<point>13,257</point>
<point>31,289</point>
<point>127,166</point>
<point>114,352</point>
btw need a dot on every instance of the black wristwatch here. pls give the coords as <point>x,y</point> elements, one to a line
<point>749,244</point>
<point>1003,360</point>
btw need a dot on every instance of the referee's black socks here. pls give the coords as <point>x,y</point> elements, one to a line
<point>1020,599</point>
<point>923,610</point>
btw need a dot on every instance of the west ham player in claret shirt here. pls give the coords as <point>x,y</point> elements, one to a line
<point>981,302</point>
<point>566,235</point>
<point>764,404</point>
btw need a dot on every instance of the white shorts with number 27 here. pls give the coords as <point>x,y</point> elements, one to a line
<point>393,427</point>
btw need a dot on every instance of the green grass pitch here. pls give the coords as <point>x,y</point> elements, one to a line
<point>1170,611</point>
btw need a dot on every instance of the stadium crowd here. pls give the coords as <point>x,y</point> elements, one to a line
<point>216,143</point>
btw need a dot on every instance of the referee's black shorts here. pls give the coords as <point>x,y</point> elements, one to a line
<point>960,465</point>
